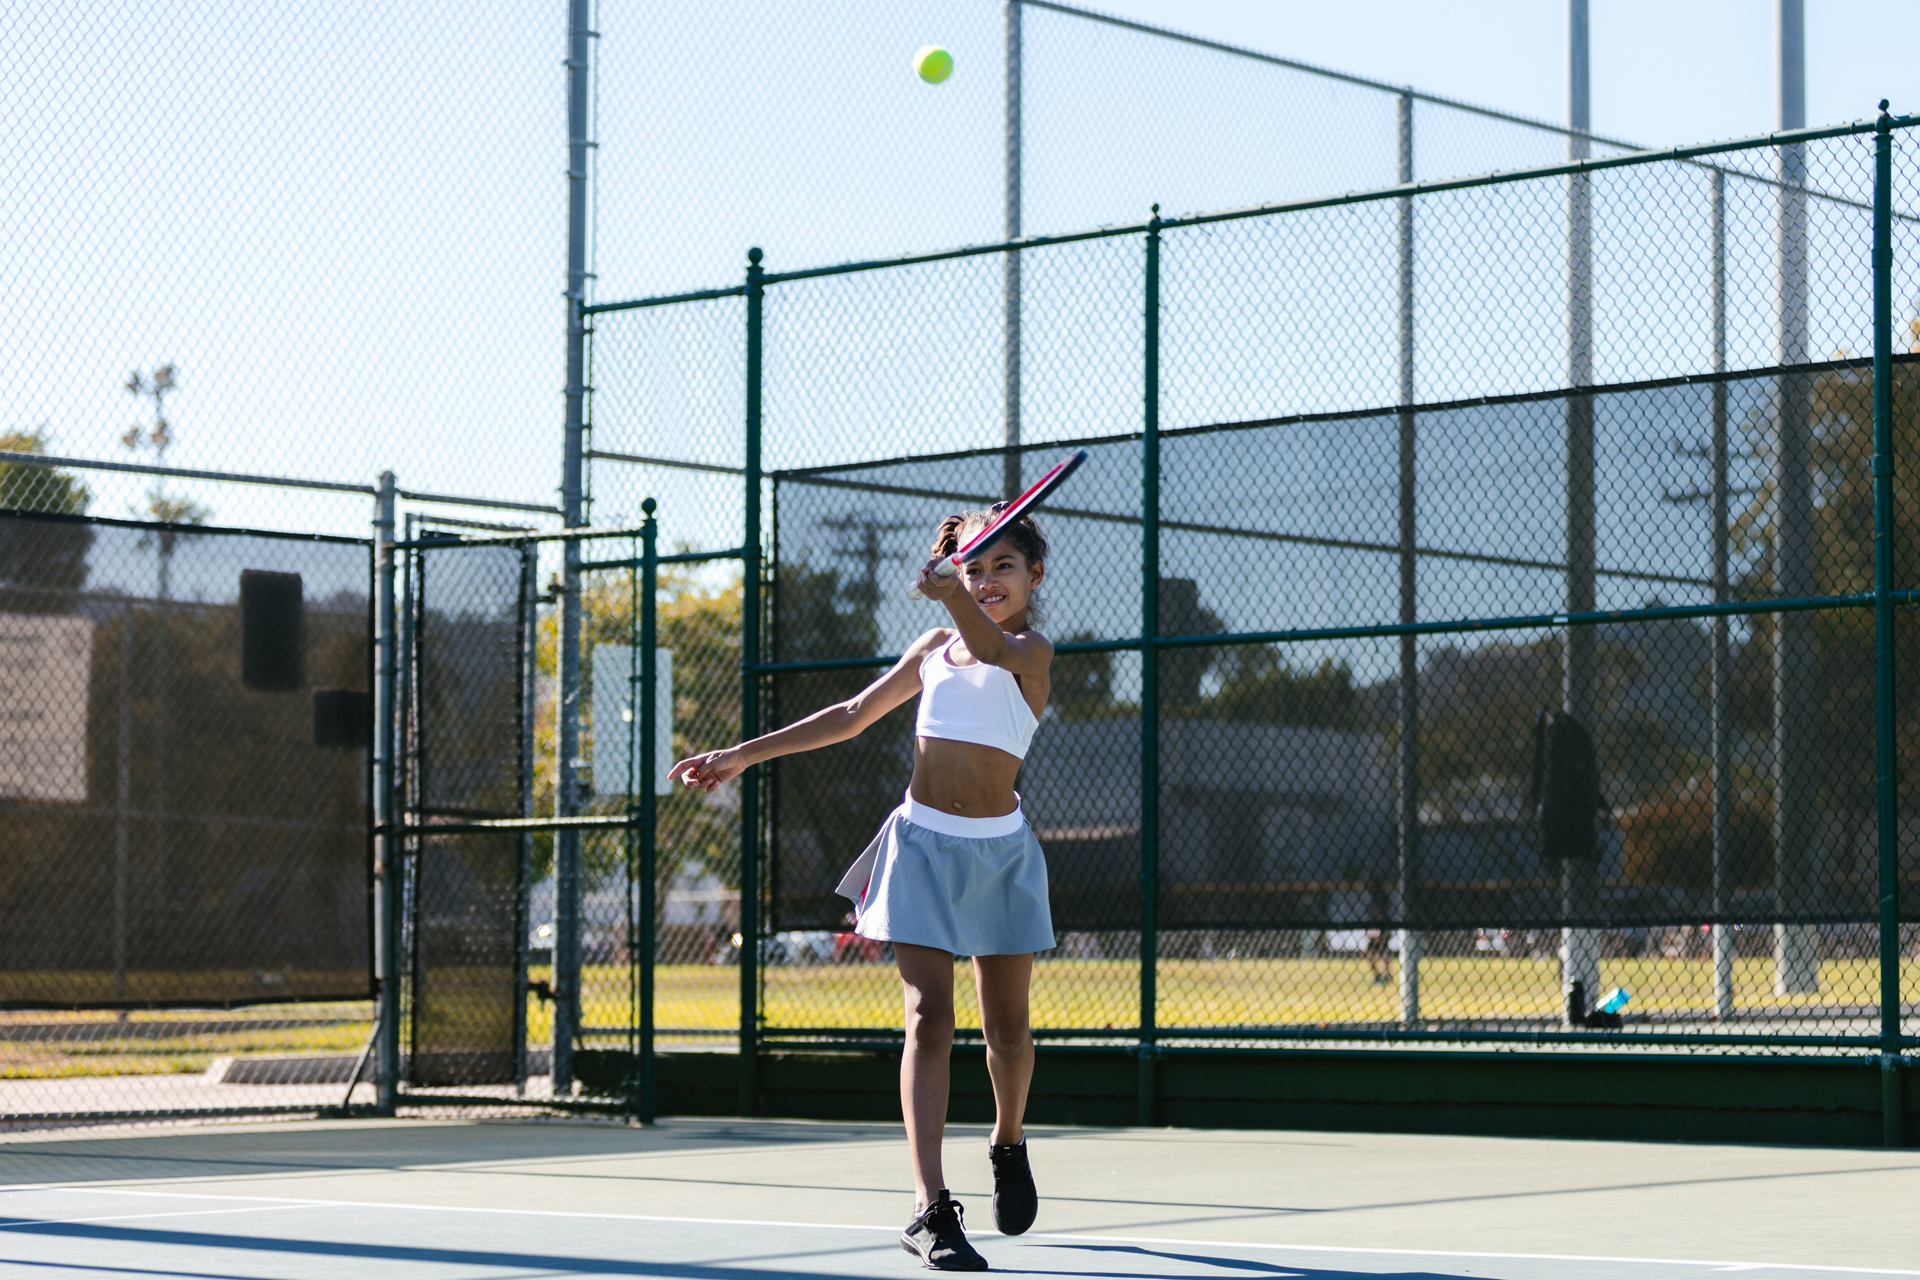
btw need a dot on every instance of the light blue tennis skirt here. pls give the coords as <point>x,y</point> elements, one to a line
<point>972,886</point>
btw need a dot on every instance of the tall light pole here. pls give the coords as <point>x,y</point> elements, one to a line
<point>1579,948</point>
<point>1796,697</point>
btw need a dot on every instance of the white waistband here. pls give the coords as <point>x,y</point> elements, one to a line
<point>954,824</point>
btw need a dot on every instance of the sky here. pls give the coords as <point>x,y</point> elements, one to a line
<point>345,223</point>
<point>1662,73</point>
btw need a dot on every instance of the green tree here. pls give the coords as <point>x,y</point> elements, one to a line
<point>41,562</point>
<point>1257,686</point>
<point>1083,684</point>
<point>828,802</point>
<point>700,623</point>
<point>1841,452</point>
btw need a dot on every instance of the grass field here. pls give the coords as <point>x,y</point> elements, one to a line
<point>1068,994</point>
<point>38,1045</point>
<point>1095,994</point>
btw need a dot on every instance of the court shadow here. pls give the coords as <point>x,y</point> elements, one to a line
<point>1238,1266</point>
<point>348,1252</point>
<point>247,1152</point>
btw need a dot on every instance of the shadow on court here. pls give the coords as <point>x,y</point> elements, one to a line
<point>208,1248</point>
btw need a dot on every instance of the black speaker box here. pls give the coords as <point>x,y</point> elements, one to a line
<point>342,718</point>
<point>272,627</point>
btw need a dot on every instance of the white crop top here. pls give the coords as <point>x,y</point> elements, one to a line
<point>977,703</point>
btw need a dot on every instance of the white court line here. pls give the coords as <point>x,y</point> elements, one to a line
<point>131,1217</point>
<point>1719,1265</point>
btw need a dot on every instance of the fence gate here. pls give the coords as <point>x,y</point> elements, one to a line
<point>466,699</point>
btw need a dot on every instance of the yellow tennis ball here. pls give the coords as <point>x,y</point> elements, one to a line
<point>933,64</point>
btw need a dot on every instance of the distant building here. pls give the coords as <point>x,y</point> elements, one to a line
<point>1257,822</point>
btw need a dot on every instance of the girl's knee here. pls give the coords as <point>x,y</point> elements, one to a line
<point>1006,1036</point>
<point>930,1010</point>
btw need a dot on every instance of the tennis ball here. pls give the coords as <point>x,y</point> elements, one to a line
<point>933,64</point>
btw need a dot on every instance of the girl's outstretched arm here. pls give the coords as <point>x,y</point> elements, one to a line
<point>823,728</point>
<point>1025,653</point>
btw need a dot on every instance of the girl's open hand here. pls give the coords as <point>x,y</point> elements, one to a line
<point>935,587</point>
<point>705,772</point>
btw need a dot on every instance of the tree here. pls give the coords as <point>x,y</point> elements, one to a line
<point>1083,684</point>
<point>700,623</point>
<point>158,438</point>
<point>828,802</point>
<point>1257,686</point>
<point>1841,422</point>
<point>40,561</point>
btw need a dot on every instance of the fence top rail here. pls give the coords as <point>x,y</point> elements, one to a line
<point>183,530</point>
<point>15,458</point>
<point>579,533</point>
<point>667,300</point>
<point>1328,73</point>
<point>1778,138</point>
<point>1453,626</point>
<point>800,475</point>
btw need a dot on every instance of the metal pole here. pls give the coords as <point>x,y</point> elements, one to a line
<point>1579,950</point>
<point>749,1099</point>
<point>1891,1103</point>
<point>1409,834</point>
<point>1795,685</point>
<point>123,819</point>
<point>529,679</point>
<point>1010,485</point>
<point>642,788</point>
<point>1150,681</point>
<point>567,798</point>
<point>386,843</point>
<point>1722,696</point>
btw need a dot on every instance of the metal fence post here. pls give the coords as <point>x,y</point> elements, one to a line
<point>1891,1103</point>
<point>386,841</point>
<point>1010,484</point>
<point>1409,754</point>
<point>640,786</point>
<point>566,878</point>
<point>1150,679</point>
<point>1722,677</point>
<point>750,710</point>
<point>1579,949</point>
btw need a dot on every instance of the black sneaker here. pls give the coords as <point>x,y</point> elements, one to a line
<point>936,1236</point>
<point>1015,1202</point>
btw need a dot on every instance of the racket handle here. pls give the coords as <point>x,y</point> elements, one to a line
<point>944,566</point>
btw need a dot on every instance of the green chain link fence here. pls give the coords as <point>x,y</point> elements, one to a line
<point>1382,479</point>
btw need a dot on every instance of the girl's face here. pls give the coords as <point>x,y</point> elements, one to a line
<point>1002,581</point>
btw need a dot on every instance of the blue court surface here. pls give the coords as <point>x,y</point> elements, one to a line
<point>718,1200</point>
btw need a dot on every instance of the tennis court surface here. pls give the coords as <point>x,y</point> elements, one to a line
<point>715,1199</point>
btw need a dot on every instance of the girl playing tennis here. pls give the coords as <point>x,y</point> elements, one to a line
<point>955,870</point>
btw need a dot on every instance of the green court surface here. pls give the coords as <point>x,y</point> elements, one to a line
<point>720,1199</point>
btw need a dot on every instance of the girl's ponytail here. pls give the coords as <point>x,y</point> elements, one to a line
<point>946,539</point>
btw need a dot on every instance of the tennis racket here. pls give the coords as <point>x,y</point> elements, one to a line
<point>977,545</point>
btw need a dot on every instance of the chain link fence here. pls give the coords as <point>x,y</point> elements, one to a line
<point>1361,422</point>
<point>183,793</point>
<point>1510,549</point>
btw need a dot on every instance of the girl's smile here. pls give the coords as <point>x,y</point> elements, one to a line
<point>1002,583</point>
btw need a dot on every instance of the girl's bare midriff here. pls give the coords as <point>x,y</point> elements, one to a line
<point>963,778</point>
